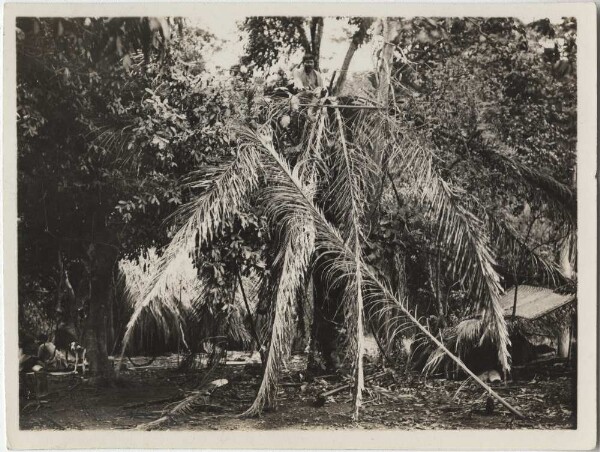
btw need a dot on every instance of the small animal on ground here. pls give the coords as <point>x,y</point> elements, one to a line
<point>79,353</point>
<point>66,340</point>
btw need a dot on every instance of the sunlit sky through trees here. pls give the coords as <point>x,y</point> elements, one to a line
<point>336,36</point>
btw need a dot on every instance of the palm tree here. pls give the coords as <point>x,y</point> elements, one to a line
<point>320,203</point>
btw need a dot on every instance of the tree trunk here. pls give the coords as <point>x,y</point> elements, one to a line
<point>326,318</point>
<point>344,70</point>
<point>434,283</point>
<point>384,69</point>
<point>516,299</point>
<point>566,265</point>
<point>316,34</point>
<point>564,342</point>
<point>357,40</point>
<point>102,259</point>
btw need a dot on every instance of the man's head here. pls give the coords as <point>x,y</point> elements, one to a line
<point>308,61</point>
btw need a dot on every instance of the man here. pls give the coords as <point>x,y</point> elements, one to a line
<point>306,77</point>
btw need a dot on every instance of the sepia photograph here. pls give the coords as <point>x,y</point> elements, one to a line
<point>299,222</point>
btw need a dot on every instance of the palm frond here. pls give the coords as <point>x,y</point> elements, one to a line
<point>195,401</point>
<point>353,170</point>
<point>166,315</point>
<point>328,238</point>
<point>295,256</point>
<point>463,231</point>
<point>458,229</point>
<point>296,259</point>
<point>353,298</point>
<point>224,193</point>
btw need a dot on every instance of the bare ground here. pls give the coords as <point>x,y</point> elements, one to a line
<point>396,401</point>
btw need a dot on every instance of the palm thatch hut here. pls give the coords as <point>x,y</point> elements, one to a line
<point>543,316</point>
<point>182,315</point>
<point>540,322</point>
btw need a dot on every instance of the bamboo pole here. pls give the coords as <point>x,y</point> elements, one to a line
<point>357,107</point>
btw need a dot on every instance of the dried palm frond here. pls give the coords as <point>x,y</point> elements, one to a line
<point>297,232</point>
<point>166,315</point>
<point>195,401</point>
<point>299,240</point>
<point>298,199</point>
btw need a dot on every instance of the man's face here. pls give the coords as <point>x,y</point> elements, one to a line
<point>309,64</point>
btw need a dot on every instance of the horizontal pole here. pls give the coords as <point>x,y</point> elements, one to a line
<point>358,107</point>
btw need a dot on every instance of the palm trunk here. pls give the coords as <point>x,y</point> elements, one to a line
<point>326,337</point>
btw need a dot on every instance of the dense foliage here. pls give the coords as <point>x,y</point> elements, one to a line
<point>109,126</point>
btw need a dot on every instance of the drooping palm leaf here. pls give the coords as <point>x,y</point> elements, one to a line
<point>295,256</point>
<point>299,202</point>
<point>458,229</point>
<point>463,232</point>
<point>296,259</point>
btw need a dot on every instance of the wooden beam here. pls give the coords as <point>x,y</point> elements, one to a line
<point>358,107</point>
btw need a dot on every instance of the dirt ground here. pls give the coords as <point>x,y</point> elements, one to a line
<point>394,401</point>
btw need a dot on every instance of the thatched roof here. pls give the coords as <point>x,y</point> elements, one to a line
<point>534,302</point>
